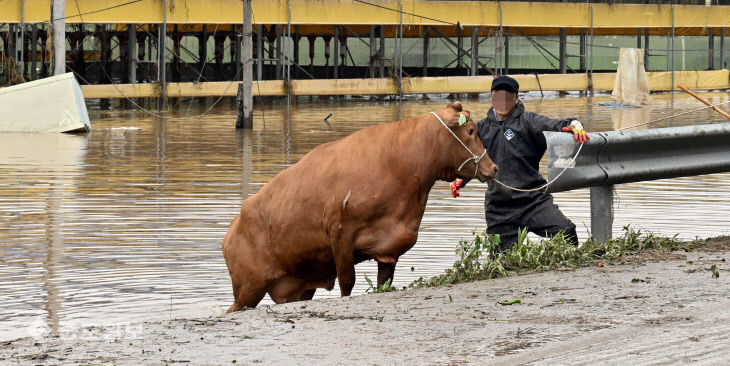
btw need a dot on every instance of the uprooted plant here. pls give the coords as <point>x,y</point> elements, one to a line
<point>481,258</point>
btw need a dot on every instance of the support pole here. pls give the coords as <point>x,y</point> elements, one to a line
<point>336,58</point>
<point>460,50</point>
<point>24,55</point>
<point>176,39</point>
<point>722,48</point>
<point>295,48</point>
<point>327,39</point>
<point>237,51</point>
<point>132,53</point>
<point>79,44</point>
<point>106,50</point>
<point>425,50</point>
<point>22,38</point>
<point>582,50</point>
<point>646,49</point>
<point>672,57</point>
<point>245,89</point>
<point>711,50</point>
<point>381,52</point>
<point>505,36</point>
<point>287,56</point>
<point>498,45</point>
<point>474,50</point>
<point>311,38</point>
<point>638,38</point>
<point>259,49</point>
<point>279,64</point>
<point>373,51</point>
<point>59,37</point>
<point>141,54</point>
<point>563,51</point>
<point>590,75</point>
<point>45,66</point>
<point>163,52</point>
<point>601,213</point>
<point>343,52</point>
<point>400,56</point>
<point>203,49</point>
<point>12,42</point>
<point>33,51</point>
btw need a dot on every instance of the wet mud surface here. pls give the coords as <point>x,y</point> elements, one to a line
<point>654,307</point>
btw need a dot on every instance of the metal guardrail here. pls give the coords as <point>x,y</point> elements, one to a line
<point>617,157</point>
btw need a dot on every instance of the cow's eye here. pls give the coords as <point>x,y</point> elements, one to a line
<point>470,131</point>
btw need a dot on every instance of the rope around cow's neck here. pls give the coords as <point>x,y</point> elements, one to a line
<point>474,157</point>
<point>581,146</point>
<point>477,158</point>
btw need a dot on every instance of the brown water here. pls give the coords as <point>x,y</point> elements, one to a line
<point>125,223</point>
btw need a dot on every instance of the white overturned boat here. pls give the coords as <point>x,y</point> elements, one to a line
<point>53,104</point>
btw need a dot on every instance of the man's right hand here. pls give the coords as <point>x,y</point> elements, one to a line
<point>579,133</point>
<point>455,185</point>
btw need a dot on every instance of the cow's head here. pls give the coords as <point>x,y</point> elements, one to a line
<point>460,123</point>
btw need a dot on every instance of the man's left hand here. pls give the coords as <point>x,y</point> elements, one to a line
<point>579,133</point>
<point>455,185</point>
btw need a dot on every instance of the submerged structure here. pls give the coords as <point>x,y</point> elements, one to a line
<point>298,47</point>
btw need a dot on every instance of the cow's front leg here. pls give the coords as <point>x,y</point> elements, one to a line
<point>345,265</point>
<point>385,273</point>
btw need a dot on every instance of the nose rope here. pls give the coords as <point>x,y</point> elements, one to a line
<point>474,157</point>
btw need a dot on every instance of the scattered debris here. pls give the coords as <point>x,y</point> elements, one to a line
<point>325,121</point>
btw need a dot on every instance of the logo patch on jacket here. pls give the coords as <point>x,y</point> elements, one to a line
<point>509,134</point>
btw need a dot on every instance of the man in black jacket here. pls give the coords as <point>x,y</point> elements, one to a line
<point>514,140</point>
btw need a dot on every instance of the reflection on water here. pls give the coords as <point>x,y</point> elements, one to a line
<point>126,223</point>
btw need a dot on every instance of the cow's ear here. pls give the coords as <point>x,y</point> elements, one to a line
<point>467,114</point>
<point>455,106</point>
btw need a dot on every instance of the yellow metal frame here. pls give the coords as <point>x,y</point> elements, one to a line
<point>658,81</point>
<point>348,12</point>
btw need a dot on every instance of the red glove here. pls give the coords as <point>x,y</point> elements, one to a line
<point>579,133</point>
<point>455,185</point>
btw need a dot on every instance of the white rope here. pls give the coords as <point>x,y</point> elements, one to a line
<point>621,129</point>
<point>547,183</point>
<point>474,157</point>
<point>674,115</point>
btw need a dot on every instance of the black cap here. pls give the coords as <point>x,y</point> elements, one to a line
<point>507,83</point>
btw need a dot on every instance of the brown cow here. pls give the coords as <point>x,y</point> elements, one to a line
<point>358,198</point>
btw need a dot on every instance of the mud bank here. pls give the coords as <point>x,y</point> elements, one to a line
<point>666,308</point>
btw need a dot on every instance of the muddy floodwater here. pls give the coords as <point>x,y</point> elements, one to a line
<point>125,223</point>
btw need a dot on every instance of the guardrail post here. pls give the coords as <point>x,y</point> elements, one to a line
<point>601,212</point>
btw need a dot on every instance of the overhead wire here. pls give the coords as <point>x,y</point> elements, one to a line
<point>139,107</point>
<point>80,15</point>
